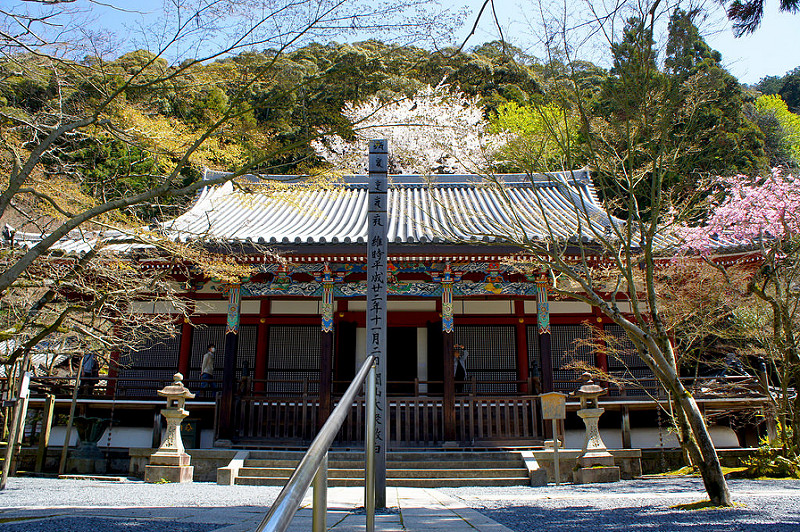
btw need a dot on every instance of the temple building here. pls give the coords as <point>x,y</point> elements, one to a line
<point>291,335</point>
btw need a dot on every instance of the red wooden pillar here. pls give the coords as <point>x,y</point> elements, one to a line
<point>523,372</point>
<point>325,376</point>
<point>449,406</point>
<point>225,429</point>
<point>601,356</point>
<point>185,353</point>
<point>262,348</point>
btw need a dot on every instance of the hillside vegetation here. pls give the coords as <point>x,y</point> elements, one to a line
<point>278,118</point>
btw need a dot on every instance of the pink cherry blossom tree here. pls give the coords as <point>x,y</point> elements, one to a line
<point>764,213</point>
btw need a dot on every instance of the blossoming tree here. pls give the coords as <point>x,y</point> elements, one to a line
<point>765,212</point>
<point>436,131</point>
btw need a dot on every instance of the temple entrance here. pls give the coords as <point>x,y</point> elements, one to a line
<point>401,350</point>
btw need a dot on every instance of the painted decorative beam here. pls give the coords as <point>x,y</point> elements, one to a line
<point>410,289</point>
<point>543,319</point>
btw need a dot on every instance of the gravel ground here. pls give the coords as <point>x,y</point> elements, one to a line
<point>95,524</point>
<point>761,505</point>
<point>24,492</point>
<point>48,505</point>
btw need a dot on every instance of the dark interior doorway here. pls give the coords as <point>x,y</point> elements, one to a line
<point>401,347</point>
<point>344,360</point>
<point>435,360</point>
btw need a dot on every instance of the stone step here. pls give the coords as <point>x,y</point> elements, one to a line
<point>335,473</point>
<point>397,464</point>
<point>411,468</point>
<point>397,482</point>
<point>432,456</point>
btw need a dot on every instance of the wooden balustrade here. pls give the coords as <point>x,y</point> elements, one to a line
<point>496,418</point>
<point>280,420</point>
<point>412,421</point>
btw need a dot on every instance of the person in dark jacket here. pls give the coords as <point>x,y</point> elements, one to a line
<point>459,368</point>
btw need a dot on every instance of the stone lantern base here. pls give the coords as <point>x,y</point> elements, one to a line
<point>595,463</point>
<point>596,466</point>
<point>591,475</point>
<point>169,467</point>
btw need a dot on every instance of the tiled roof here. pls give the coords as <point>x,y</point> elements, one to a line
<point>449,209</point>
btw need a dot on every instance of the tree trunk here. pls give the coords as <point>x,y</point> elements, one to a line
<point>691,451</point>
<point>710,468</point>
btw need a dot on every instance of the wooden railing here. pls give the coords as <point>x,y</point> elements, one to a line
<point>497,418</point>
<point>286,420</point>
<point>412,421</point>
<point>146,388</point>
<point>105,387</point>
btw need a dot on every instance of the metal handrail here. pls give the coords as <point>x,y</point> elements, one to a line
<point>313,466</point>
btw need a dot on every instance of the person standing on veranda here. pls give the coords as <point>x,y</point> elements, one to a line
<point>460,370</point>
<point>90,373</point>
<point>207,368</point>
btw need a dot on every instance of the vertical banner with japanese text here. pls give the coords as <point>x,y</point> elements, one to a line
<point>376,303</point>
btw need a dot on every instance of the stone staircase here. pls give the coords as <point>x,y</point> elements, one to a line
<point>428,469</point>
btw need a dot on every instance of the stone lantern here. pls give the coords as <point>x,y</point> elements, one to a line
<point>595,463</point>
<point>171,462</point>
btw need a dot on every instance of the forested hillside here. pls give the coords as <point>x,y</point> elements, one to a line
<point>277,119</point>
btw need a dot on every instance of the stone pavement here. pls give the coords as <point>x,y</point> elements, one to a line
<point>410,509</point>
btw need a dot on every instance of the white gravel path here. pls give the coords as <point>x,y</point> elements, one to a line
<point>49,505</point>
<point>643,504</point>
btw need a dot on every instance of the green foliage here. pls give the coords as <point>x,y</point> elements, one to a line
<point>634,78</point>
<point>689,116</point>
<point>712,114</point>
<point>538,137</point>
<point>782,129</point>
<point>790,90</point>
<point>772,461</point>
<point>787,87</point>
<point>297,95</point>
<point>769,84</point>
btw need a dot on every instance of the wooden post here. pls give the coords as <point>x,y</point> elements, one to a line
<point>448,278</point>
<point>377,249</point>
<point>626,428</point>
<point>325,376</point>
<point>449,406</point>
<point>262,348</point>
<point>44,436</point>
<point>225,429</point>
<point>62,464</point>
<point>449,399</point>
<point>601,356</point>
<point>523,369</point>
<point>185,353</point>
<point>18,425</point>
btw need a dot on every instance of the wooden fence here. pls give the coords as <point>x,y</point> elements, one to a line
<point>412,421</point>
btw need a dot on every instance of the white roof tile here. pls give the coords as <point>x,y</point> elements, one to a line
<point>453,209</point>
<point>441,209</point>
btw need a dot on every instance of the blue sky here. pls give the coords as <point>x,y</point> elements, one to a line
<point>773,49</point>
<point>770,51</point>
